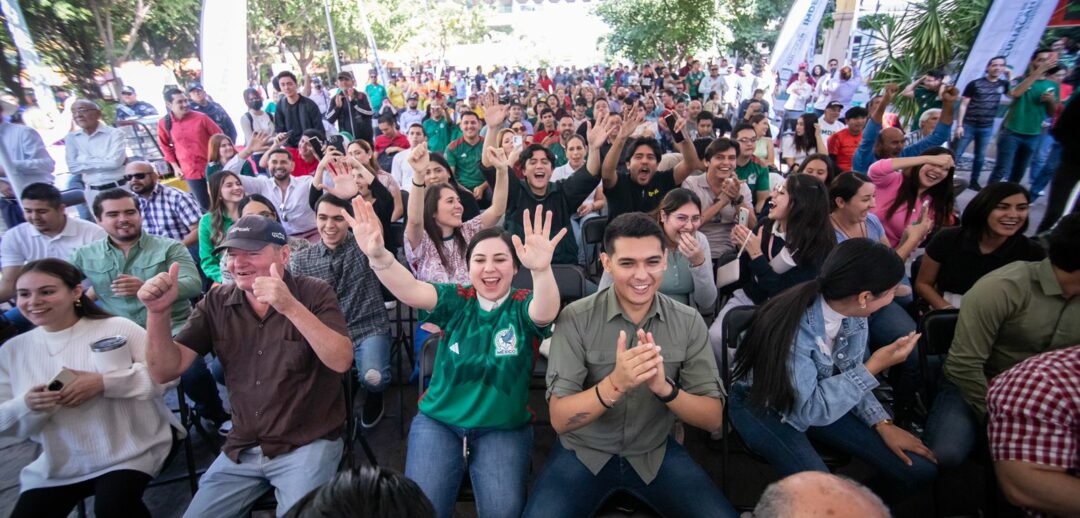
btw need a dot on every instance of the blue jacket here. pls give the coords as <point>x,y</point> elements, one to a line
<point>827,388</point>
<point>864,155</point>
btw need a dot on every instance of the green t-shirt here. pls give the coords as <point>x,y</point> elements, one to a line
<point>211,262</point>
<point>693,80</point>
<point>755,175</point>
<point>484,361</point>
<point>464,158</point>
<point>438,134</point>
<point>376,94</point>
<point>1027,113</point>
<point>925,99</point>
<point>559,151</point>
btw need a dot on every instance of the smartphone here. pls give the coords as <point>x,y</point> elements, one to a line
<point>337,141</point>
<point>922,211</point>
<point>61,380</point>
<point>518,140</point>
<point>744,216</point>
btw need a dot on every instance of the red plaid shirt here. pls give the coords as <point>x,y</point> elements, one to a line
<point>1034,411</point>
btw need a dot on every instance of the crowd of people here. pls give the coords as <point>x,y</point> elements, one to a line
<point>270,275</point>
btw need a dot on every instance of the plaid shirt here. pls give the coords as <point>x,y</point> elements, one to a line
<point>169,212</point>
<point>346,269</point>
<point>1034,411</point>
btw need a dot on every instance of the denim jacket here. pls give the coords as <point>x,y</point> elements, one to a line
<point>828,388</point>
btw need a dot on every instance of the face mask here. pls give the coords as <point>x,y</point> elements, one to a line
<point>255,104</point>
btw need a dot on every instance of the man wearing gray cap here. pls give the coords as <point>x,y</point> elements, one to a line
<point>202,103</point>
<point>276,334</point>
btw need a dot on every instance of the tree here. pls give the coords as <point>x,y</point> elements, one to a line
<point>169,32</point>
<point>64,35</point>
<point>124,16</point>
<point>446,24</point>
<point>648,29</point>
<point>751,22</point>
<point>296,27</point>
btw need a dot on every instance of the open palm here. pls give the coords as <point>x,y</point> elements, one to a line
<point>367,231</point>
<point>344,184</point>
<point>536,251</point>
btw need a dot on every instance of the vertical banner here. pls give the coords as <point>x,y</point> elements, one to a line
<point>24,43</point>
<point>223,51</point>
<point>1012,28</point>
<point>797,37</point>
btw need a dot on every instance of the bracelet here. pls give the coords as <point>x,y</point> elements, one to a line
<point>674,392</point>
<point>881,422</point>
<point>600,398</point>
<point>379,268</point>
<point>613,387</point>
<point>419,185</point>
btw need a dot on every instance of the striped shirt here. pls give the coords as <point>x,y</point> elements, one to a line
<point>169,212</point>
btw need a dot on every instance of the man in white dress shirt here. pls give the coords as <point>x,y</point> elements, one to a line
<point>95,151</point>
<point>23,158</point>
<point>288,193</point>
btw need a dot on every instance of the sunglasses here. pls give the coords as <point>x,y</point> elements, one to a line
<point>136,176</point>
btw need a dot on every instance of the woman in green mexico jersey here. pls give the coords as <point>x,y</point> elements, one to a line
<point>474,414</point>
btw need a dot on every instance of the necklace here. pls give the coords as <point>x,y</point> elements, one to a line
<point>71,335</point>
<point>840,227</point>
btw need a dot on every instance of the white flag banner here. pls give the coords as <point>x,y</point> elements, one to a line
<point>224,54</point>
<point>24,43</point>
<point>1012,28</point>
<point>797,37</point>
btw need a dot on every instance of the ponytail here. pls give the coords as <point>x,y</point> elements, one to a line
<point>854,266</point>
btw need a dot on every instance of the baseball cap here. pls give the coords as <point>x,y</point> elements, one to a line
<point>194,85</point>
<point>253,233</point>
<point>345,76</point>
<point>834,104</point>
<point>127,90</point>
<point>414,95</point>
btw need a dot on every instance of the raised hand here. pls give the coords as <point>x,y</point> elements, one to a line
<point>536,251</point>
<point>496,156</point>
<point>419,157</point>
<point>634,366</point>
<point>949,95</point>
<point>160,291</point>
<point>272,290</point>
<point>259,142</point>
<point>633,119</point>
<point>944,161</point>
<point>345,186</point>
<point>495,114</point>
<point>367,231</point>
<point>892,354</point>
<point>891,89</point>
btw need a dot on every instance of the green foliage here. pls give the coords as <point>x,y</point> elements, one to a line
<point>449,23</point>
<point>642,30</point>
<point>65,37</point>
<point>752,22</point>
<point>170,32</point>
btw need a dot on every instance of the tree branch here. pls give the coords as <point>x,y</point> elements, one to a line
<point>142,8</point>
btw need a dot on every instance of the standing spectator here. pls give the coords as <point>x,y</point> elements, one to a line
<point>202,103</point>
<point>131,107</point>
<point>401,170</point>
<point>297,113</point>
<point>1034,99</point>
<point>799,92</point>
<point>95,152</point>
<point>411,115</point>
<point>926,92</point>
<point>316,91</point>
<point>1068,172</point>
<point>694,77</point>
<point>376,92</point>
<point>255,120</point>
<point>103,434</point>
<point>23,158</point>
<point>464,155</point>
<point>48,232</point>
<point>117,265</point>
<point>184,136</point>
<point>352,109</point>
<point>437,127</point>
<point>167,211</point>
<point>978,109</point>
<point>286,435</point>
<point>1009,315</point>
<point>842,86</point>
<point>843,144</point>
<point>1034,415</point>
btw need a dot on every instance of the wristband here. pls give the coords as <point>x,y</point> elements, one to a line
<point>600,398</point>
<point>674,392</point>
<point>419,185</point>
<point>379,268</point>
<point>881,422</point>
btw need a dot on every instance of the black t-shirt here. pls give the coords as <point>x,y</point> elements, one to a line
<point>629,196</point>
<point>962,263</point>
<point>985,98</point>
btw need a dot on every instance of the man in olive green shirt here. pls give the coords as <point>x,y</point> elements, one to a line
<point>1015,312</point>
<point>624,363</point>
<point>116,267</point>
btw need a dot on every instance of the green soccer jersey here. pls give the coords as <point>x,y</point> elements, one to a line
<point>755,175</point>
<point>484,361</point>
<point>464,158</point>
<point>559,151</point>
<point>1027,113</point>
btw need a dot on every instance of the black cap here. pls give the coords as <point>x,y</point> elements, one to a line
<point>194,85</point>
<point>253,233</point>
<point>127,90</point>
<point>345,75</point>
<point>834,104</point>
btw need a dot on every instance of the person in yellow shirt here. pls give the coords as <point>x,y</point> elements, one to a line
<point>396,92</point>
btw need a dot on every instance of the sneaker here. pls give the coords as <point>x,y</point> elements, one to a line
<point>373,410</point>
<point>974,186</point>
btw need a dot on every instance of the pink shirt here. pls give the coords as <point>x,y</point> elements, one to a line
<point>424,259</point>
<point>888,181</point>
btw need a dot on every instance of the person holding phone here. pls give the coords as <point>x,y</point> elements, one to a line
<point>905,185</point>
<point>102,434</point>
<point>1033,100</point>
<point>305,158</point>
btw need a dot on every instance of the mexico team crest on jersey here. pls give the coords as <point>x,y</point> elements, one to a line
<point>506,342</point>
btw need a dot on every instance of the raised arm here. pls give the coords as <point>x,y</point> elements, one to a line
<point>368,234</point>
<point>609,171</point>
<point>596,135</point>
<point>279,141</point>
<point>690,161</point>
<point>165,358</point>
<point>535,254</point>
<point>490,217</point>
<point>414,222</point>
<point>494,115</point>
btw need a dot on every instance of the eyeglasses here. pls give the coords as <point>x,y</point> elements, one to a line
<point>136,176</point>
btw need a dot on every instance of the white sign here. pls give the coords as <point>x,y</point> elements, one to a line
<point>224,54</point>
<point>797,38</point>
<point>1012,29</point>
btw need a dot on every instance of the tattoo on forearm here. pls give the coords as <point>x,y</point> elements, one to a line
<point>577,418</point>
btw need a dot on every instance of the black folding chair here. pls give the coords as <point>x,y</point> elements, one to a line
<point>592,233</point>
<point>937,328</point>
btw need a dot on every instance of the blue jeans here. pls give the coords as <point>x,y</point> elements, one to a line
<point>789,450</point>
<point>199,189</point>
<point>373,362</point>
<point>498,465</point>
<point>1041,177</point>
<point>981,137</point>
<point>681,488</point>
<point>228,489</point>
<point>952,427</point>
<point>75,181</point>
<point>419,335</point>
<point>1014,152</point>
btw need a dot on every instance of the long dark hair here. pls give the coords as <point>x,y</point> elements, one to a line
<point>372,492</point>
<point>854,266</point>
<point>977,213</point>
<point>809,234</point>
<point>259,199</point>
<point>845,187</point>
<point>807,141</point>
<point>71,276</point>
<point>432,228</point>
<point>674,200</point>
<point>941,195</point>
<point>830,167</point>
<point>218,211</point>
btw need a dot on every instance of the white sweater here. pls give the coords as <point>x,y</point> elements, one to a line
<point>126,427</point>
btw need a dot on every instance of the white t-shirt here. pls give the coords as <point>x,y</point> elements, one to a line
<point>563,172</point>
<point>833,321</point>
<point>402,171</point>
<point>828,129</point>
<point>788,149</point>
<point>24,243</point>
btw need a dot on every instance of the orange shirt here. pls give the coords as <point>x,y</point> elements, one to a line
<point>842,145</point>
